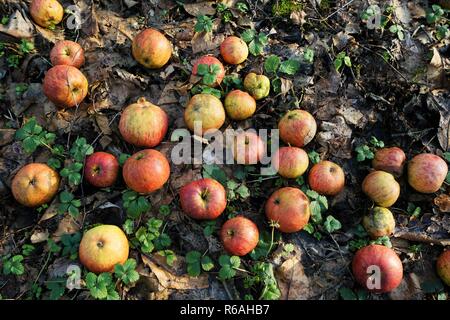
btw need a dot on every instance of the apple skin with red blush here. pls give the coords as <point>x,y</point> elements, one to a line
<point>101,169</point>
<point>239,236</point>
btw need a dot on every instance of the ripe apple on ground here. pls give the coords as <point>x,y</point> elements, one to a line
<point>146,171</point>
<point>68,53</point>
<point>427,172</point>
<point>382,188</point>
<point>35,184</point>
<point>248,148</point>
<point>239,236</point>
<point>143,124</point>
<point>443,267</point>
<point>205,109</point>
<point>46,13</point>
<point>379,222</point>
<point>210,61</point>
<point>257,85</point>
<point>290,162</point>
<point>381,264</point>
<point>102,247</point>
<point>297,127</point>
<point>239,105</point>
<point>151,48</point>
<point>204,199</point>
<point>391,160</point>
<point>101,169</point>
<point>326,178</point>
<point>65,86</point>
<point>289,207</point>
<point>234,50</point>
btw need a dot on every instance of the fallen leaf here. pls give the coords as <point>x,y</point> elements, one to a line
<point>205,41</point>
<point>200,8</point>
<point>443,202</point>
<point>6,136</point>
<point>67,225</point>
<point>18,26</point>
<point>39,236</point>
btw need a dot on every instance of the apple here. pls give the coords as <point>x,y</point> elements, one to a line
<point>391,160</point>
<point>146,171</point>
<point>210,61</point>
<point>427,172</point>
<point>143,124</point>
<point>248,148</point>
<point>234,50</point>
<point>151,48</point>
<point>35,184</point>
<point>290,162</point>
<point>68,53</point>
<point>382,188</point>
<point>377,268</point>
<point>257,85</point>
<point>443,267</point>
<point>102,247</point>
<point>289,207</point>
<point>206,110</point>
<point>46,13</point>
<point>65,86</point>
<point>379,222</point>
<point>239,236</point>
<point>204,199</point>
<point>239,105</point>
<point>326,178</point>
<point>101,169</point>
<point>297,128</point>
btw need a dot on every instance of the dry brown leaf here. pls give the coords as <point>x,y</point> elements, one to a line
<point>18,26</point>
<point>67,225</point>
<point>50,212</point>
<point>6,136</point>
<point>103,123</point>
<point>443,202</point>
<point>292,281</point>
<point>205,41</point>
<point>200,8</point>
<point>39,236</point>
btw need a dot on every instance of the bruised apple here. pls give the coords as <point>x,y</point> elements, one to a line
<point>379,222</point>
<point>151,49</point>
<point>381,187</point>
<point>102,247</point>
<point>204,199</point>
<point>443,267</point>
<point>239,236</point>
<point>234,50</point>
<point>46,13</point>
<point>146,171</point>
<point>391,160</point>
<point>290,162</point>
<point>65,86</point>
<point>289,207</point>
<point>427,172</point>
<point>143,124</point>
<point>248,147</point>
<point>377,268</point>
<point>239,105</point>
<point>297,127</point>
<point>35,184</point>
<point>101,169</point>
<point>326,178</point>
<point>209,65</point>
<point>257,85</point>
<point>205,111</point>
<point>68,53</point>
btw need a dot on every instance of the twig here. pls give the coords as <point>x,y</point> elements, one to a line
<point>340,9</point>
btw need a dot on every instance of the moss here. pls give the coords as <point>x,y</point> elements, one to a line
<point>325,4</point>
<point>284,8</point>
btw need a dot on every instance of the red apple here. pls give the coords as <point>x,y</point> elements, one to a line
<point>379,222</point>
<point>239,105</point>
<point>377,268</point>
<point>382,188</point>
<point>204,199</point>
<point>210,61</point>
<point>205,110</point>
<point>101,169</point>
<point>234,50</point>
<point>248,148</point>
<point>290,162</point>
<point>143,124</point>
<point>258,85</point>
<point>443,267</point>
<point>427,172</point>
<point>326,178</point>
<point>68,53</point>
<point>391,160</point>
<point>239,236</point>
<point>46,13</point>
<point>289,207</point>
<point>65,86</point>
<point>146,171</point>
<point>297,127</point>
<point>151,49</point>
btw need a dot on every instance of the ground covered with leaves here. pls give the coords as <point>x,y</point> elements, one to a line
<point>368,83</point>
